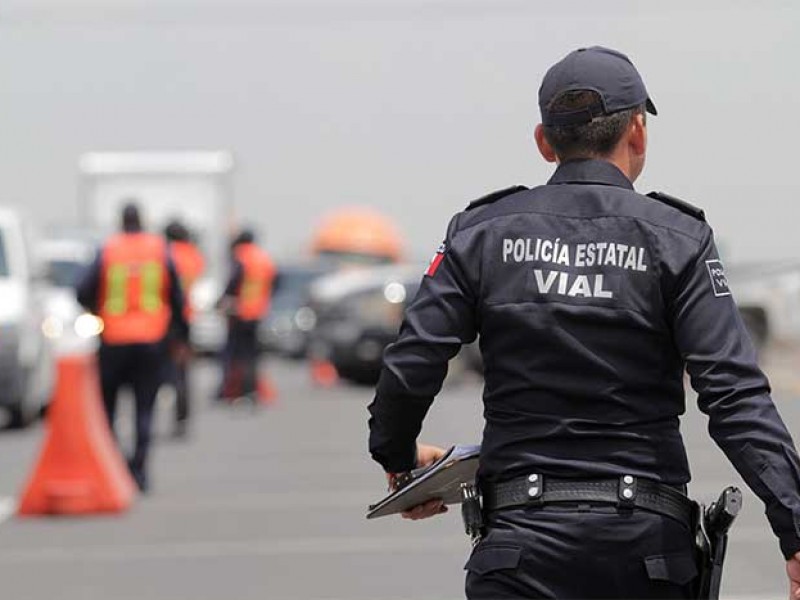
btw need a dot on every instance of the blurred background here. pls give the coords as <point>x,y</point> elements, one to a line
<point>345,133</point>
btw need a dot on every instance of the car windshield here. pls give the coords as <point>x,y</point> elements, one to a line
<point>291,287</point>
<point>3,260</point>
<point>64,273</point>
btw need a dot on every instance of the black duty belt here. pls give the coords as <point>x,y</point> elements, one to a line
<point>626,492</point>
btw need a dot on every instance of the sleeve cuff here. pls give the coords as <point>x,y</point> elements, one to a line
<point>790,546</point>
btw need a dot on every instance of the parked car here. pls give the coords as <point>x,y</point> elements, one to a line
<point>286,328</point>
<point>27,369</point>
<point>358,313</point>
<point>69,327</point>
<point>209,328</point>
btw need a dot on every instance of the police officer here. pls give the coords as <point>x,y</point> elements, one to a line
<point>246,300</point>
<point>190,265</point>
<point>134,288</point>
<point>590,300</point>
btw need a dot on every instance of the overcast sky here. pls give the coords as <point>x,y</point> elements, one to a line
<point>412,106</point>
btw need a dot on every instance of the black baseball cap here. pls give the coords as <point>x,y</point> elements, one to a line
<point>609,73</point>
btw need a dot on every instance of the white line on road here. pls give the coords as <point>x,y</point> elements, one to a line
<point>218,549</point>
<point>266,501</point>
<point>8,506</point>
<point>258,547</point>
<point>423,598</point>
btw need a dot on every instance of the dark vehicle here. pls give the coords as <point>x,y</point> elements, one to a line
<point>285,329</point>
<point>358,314</point>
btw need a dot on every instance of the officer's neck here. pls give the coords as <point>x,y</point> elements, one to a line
<point>623,166</point>
<point>626,161</point>
<point>628,156</point>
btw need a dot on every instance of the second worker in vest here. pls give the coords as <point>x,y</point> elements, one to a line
<point>246,300</point>
<point>190,266</point>
<point>134,287</point>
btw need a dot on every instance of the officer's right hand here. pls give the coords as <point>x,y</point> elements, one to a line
<point>425,511</point>
<point>793,571</point>
<point>427,455</point>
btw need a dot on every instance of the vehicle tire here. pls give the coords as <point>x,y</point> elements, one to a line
<point>28,407</point>
<point>23,414</point>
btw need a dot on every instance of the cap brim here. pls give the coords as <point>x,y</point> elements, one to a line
<point>650,107</point>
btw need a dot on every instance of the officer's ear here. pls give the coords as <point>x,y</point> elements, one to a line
<point>637,138</point>
<point>544,146</point>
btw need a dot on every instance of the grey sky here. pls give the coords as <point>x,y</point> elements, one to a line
<point>415,107</point>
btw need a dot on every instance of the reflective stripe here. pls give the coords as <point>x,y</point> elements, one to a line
<point>119,298</point>
<point>252,289</point>
<point>117,290</point>
<point>151,287</point>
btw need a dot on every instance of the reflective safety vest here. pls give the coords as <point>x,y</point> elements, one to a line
<point>253,295</point>
<point>134,302</point>
<point>190,265</point>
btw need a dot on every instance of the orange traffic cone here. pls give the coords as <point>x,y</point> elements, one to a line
<point>267,394</point>
<point>80,469</point>
<point>324,373</point>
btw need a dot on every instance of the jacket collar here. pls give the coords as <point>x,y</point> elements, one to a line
<point>590,171</point>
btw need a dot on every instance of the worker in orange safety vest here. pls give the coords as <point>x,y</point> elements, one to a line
<point>190,265</point>
<point>246,301</point>
<point>134,288</point>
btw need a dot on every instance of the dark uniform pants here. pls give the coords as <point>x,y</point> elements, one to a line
<point>141,367</point>
<point>588,552</point>
<point>177,374</point>
<point>240,359</point>
<point>180,379</point>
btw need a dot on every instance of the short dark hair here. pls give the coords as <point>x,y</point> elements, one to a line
<point>597,138</point>
<point>131,220</point>
<point>175,231</point>
<point>245,236</point>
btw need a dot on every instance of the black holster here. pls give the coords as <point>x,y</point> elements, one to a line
<point>472,512</point>
<point>712,526</point>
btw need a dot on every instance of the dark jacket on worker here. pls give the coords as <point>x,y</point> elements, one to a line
<point>590,300</point>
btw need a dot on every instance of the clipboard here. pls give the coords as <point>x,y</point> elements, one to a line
<point>441,480</point>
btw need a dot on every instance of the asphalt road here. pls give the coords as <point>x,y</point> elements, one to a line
<point>270,504</point>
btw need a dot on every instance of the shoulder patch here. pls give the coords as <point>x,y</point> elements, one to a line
<point>681,205</point>
<point>495,196</point>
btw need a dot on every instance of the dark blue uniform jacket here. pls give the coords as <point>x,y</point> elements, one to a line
<point>590,301</point>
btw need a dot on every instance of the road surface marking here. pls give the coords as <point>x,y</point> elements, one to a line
<point>219,549</point>
<point>267,501</point>
<point>262,547</point>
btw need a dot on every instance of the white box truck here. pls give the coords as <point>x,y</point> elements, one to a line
<point>194,187</point>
